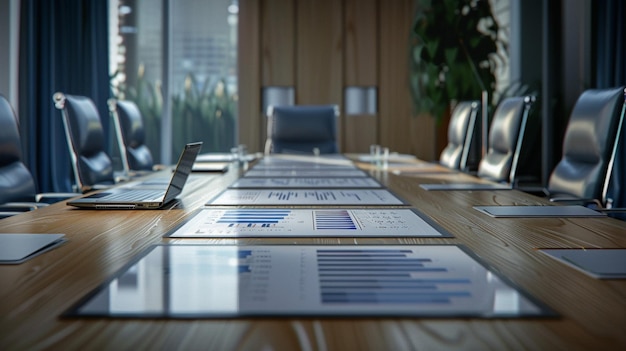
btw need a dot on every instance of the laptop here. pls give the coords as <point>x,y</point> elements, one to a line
<point>149,194</point>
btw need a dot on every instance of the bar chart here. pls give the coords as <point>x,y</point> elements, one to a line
<point>305,182</point>
<point>205,281</point>
<point>302,197</point>
<point>384,276</point>
<point>319,222</point>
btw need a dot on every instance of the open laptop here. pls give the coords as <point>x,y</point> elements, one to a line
<point>144,194</point>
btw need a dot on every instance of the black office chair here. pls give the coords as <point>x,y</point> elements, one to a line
<point>17,187</point>
<point>460,135</point>
<point>131,136</point>
<point>92,166</point>
<point>506,134</point>
<point>589,148</point>
<point>302,129</point>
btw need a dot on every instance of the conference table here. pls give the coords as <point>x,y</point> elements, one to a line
<point>589,313</point>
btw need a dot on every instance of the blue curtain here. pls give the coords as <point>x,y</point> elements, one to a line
<point>63,47</point>
<point>611,72</point>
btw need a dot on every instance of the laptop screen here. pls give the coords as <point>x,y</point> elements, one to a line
<point>182,170</point>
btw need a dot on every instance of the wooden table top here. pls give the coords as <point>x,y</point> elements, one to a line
<point>592,312</point>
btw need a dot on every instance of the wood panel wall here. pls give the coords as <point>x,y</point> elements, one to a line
<point>320,47</point>
<point>250,126</point>
<point>361,69</point>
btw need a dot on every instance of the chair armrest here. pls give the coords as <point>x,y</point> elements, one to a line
<point>20,206</point>
<point>50,198</point>
<point>572,200</point>
<point>5,214</point>
<point>611,210</point>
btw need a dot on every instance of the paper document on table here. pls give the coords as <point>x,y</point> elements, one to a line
<point>304,161</point>
<point>305,182</point>
<point>234,281</point>
<point>305,172</point>
<point>210,166</point>
<point>327,197</point>
<point>331,222</point>
<point>393,157</point>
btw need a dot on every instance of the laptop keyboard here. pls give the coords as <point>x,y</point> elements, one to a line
<point>135,195</point>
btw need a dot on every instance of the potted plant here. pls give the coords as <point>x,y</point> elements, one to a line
<point>456,51</point>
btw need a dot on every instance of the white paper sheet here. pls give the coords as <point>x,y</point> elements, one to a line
<point>305,172</point>
<point>332,222</point>
<point>328,197</point>
<point>205,281</point>
<point>281,160</point>
<point>305,182</point>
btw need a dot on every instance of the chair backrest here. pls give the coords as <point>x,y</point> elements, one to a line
<point>131,136</point>
<point>302,129</point>
<point>505,139</point>
<point>85,137</point>
<point>588,144</point>
<point>16,181</point>
<point>460,133</point>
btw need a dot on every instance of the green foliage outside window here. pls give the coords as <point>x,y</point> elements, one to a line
<point>201,113</point>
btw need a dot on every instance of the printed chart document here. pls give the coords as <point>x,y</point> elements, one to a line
<point>418,168</point>
<point>465,186</point>
<point>393,157</point>
<point>305,172</point>
<point>210,166</point>
<point>538,211</point>
<point>304,161</point>
<point>332,222</point>
<point>305,182</point>
<point>228,281</point>
<point>597,263</point>
<point>19,247</point>
<point>225,157</point>
<point>304,197</point>
<point>285,164</point>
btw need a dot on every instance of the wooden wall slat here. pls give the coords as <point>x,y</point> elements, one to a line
<point>398,128</point>
<point>360,133</point>
<point>319,53</point>
<point>361,49</point>
<point>250,120</point>
<point>360,69</point>
<point>278,42</point>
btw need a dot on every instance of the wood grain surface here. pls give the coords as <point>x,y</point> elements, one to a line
<point>592,312</point>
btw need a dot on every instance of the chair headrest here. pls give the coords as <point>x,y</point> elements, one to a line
<point>86,126</point>
<point>590,131</point>
<point>457,127</point>
<point>131,123</point>
<point>10,144</point>
<point>505,126</point>
<point>303,123</point>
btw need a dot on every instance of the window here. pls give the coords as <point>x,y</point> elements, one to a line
<point>177,61</point>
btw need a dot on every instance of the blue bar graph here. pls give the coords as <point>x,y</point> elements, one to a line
<point>244,269</point>
<point>333,219</point>
<point>244,254</point>
<point>251,218</point>
<point>375,276</point>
